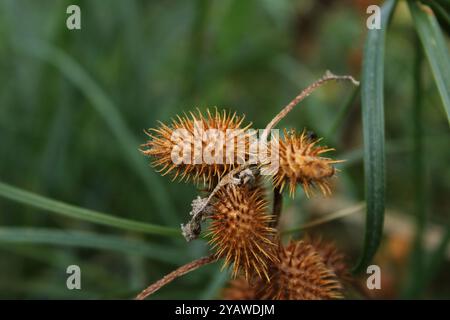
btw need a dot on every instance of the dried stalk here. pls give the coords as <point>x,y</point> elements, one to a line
<point>306,92</point>
<point>191,266</point>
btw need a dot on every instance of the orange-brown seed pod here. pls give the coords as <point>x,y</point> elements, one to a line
<point>240,230</point>
<point>301,274</point>
<point>191,138</point>
<point>301,163</point>
<point>331,256</point>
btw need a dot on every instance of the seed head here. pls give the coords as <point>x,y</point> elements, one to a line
<point>240,230</point>
<point>301,163</point>
<point>190,139</point>
<point>301,274</point>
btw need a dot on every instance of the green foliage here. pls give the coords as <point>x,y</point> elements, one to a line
<point>89,240</point>
<point>58,207</point>
<point>372,95</point>
<point>436,50</point>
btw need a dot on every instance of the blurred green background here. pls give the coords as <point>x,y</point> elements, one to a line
<point>73,106</point>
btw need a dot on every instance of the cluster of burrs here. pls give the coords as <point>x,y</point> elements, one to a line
<point>242,231</point>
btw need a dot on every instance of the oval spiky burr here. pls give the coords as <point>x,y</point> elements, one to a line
<point>206,146</point>
<point>301,274</point>
<point>301,163</point>
<point>240,230</point>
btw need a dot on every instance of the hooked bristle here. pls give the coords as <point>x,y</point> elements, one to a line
<point>188,138</point>
<point>301,274</point>
<point>301,163</point>
<point>241,232</point>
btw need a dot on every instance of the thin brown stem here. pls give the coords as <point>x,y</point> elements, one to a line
<point>277,206</point>
<point>191,266</point>
<point>306,92</point>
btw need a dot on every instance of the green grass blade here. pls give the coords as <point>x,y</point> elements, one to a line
<point>328,218</point>
<point>82,239</point>
<point>372,97</point>
<point>62,208</point>
<point>108,111</point>
<point>436,50</point>
<point>415,272</point>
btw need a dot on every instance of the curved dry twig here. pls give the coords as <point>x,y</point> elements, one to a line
<point>191,266</point>
<point>306,92</point>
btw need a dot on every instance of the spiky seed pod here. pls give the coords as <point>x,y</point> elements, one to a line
<point>301,274</point>
<point>301,163</point>
<point>255,289</point>
<point>240,230</point>
<point>188,138</point>
<point>331,256</point>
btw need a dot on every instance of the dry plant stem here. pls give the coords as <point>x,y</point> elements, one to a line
<point>277,206</point>
<point>306,92</point>
<point>191,266</point>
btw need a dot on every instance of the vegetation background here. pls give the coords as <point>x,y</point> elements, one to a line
<point>73,106</point>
